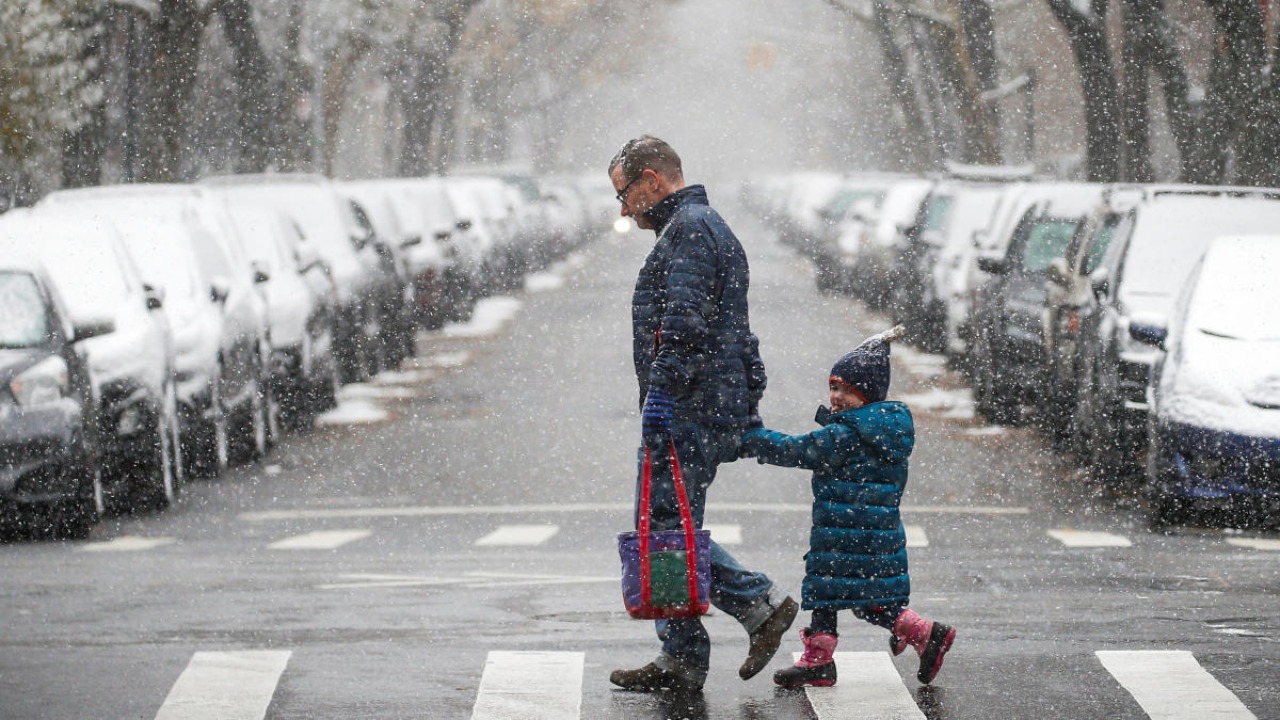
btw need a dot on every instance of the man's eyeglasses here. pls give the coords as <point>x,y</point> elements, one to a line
<point>622,194</point>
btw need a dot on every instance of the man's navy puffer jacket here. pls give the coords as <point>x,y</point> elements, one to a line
<point>690,331</point>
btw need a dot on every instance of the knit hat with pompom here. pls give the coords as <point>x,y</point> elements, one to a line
<point>865,369</point>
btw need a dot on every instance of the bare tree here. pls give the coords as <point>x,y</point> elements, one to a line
<point>1149,46</point>
<point>1086,29</point>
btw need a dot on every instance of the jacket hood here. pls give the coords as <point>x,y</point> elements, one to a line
<point>886,427</point>
<point>660,214</point>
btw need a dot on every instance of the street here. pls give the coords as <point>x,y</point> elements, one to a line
<point>443,546</point>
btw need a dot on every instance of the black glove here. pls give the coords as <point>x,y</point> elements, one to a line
<point>753,419</point>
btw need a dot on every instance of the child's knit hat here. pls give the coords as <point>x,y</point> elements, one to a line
<point>865,369</point>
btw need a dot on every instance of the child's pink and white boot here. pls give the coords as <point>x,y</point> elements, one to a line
<point>816,665</point>
<point>930,639</point>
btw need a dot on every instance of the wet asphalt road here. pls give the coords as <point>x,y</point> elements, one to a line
<point>363,553</point>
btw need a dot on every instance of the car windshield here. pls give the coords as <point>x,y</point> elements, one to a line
<point>936,214</point>
<point>24,322</point>
<point>1047,241</point>
<point>1236,296</point>
<point>1172,234</point>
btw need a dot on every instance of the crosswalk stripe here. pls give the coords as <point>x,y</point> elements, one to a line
<point>725,534</point>
<point>1255,543</point>
<point>507,535</point>
<point>127,543</point>
<point>916,537</point>
<point>320,540</point>
<point>869,688</point>
<point>530,686</point>
<point>1089,538</point>
<point>1171,685</point>
<point>225,686</point>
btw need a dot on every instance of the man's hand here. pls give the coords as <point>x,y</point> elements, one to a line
<point>656,416</point>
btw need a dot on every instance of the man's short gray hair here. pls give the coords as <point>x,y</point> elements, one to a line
<point>647,153</point>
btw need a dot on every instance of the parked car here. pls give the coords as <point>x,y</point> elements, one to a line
<point>869,252</point>
<point>844,214</point>
<point>1006,361</point>
<point>357,270</point>
<point>131,368</point>
<point>49,431</point>
<point>301,303</point>
<point>1214,423</point>
<point>1158,235</point>
<point>180,237</point>
<point>414,215</point>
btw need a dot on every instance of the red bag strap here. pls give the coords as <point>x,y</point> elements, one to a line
<point>686,521</point>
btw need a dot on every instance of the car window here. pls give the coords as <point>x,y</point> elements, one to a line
<point>1047,240</point>
<point>935,215</point>
<point>1098,245</point>
<point>24,320</point>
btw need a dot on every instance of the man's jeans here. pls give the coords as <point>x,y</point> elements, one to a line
<point>736,591</point>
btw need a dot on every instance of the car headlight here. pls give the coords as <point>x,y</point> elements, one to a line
<point>42,383</point>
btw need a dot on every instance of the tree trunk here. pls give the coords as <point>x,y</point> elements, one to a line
<point>256,118</point>
<point>83,149</point>
<point>175,53</point>
<point>333,91</point>
<point>921,147</point>
<point>976,55</point>
<point>1237,111</point>
<point>1087,33</point>
<point>1149,45</point>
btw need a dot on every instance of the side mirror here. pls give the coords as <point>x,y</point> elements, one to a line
<point>411,241</point>
<point>992,265</point>
<point>1148,333</point>
<point>1100,281</point>
<point>442,236</point>
<point>1057,272</point>
<point>359,241</point>
<point>92,328</point>
<point>219,289</point>
<point>463,225</point>
<point>259,275</point>
<point>155,297</point>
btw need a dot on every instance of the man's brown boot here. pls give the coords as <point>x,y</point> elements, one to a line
<point>767,637</point>
<point>650,678</point>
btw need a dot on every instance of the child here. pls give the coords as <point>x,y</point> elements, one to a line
<point>857,557</point>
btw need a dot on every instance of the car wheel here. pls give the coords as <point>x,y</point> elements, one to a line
<point>212,452</point>
<point>1167,510</point>
<point>74,519</point>
<point>158,486</point>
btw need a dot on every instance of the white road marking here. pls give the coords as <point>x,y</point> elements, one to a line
<point>225,686</point>
<point>320,540</point>
<point>440,510</point>
<point>1171,685</point>
<point>530,686</point>
<point>725,534</point>
<point>916,537</point>
<point>475,579</point>
<point>869,687</point>
<point>524,535</point>
<point>1255,543</point>
<point>127,543</point>
<point>1089,538</point>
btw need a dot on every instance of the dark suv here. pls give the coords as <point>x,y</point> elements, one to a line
<point>1130,263</point>
<point>49,444</point>
<point>1006,357</point>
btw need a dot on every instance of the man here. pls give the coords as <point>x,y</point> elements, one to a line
<point>700,376</point>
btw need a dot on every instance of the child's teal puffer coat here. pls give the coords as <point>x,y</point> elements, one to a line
<point>857,548</point>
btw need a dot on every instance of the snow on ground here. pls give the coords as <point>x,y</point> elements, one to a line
<point>956,403</point>
<point>367,391</point>
<point>352,411</point>
<point>926,365</point>
<point>490,315</point>
<point>543,281</point>
<point>447,360</point>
